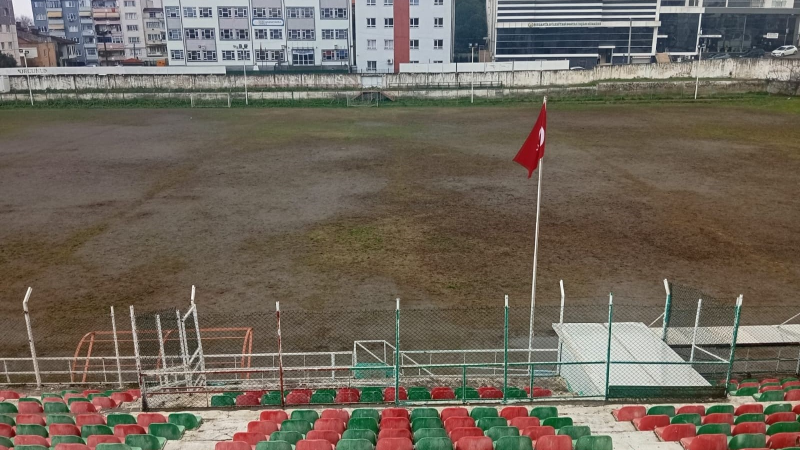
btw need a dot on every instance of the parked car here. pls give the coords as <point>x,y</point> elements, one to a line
<point>576,68</point>
<point>784,50</point>
<point>753,53</point>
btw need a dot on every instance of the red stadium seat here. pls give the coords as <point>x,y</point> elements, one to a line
<point>70,395</point>
<point>90,419</point>
<point>134,393</point>
<point>325,424</point>
<point>346,397</point>
<point>770,380</point>
<point>394,412</point>
<point>232,445</point>
<point>782,440</point>
<point>394,444</point>
<point>275,415</point>
<point>475,443</point>
<point>95,439</point>
<point>63,429</point>
<point>145,419</point>
<point>313,444</point>
<point>538,431</point>
<point>122,397</point>
<point>30,419</point>
<point>340,414</point>
<point>297,398</point>
<point>524,422</point>
<point>442,393</point>
<point>90,391</point>
<point>649,423</point>
<point>82,408</point>
<point>388,395</point>
<point>392,433</point>
<point>691,409</point>
<point>706,442</point>
<point>718,418</point>
<point>792,396</point>
<point>121,431</point>
<point>749,408</point>
<point>790,384</point>
<point>538,392</point>
<point>9,395</point>
<point>104,403</point>
<point>510,412</point>
<point>628,413</point>
<point>796,409</point>
<point>29,408</point>
<point>330,436</point>
<point>248,400</point>
<point>747,385</point>
<point>781,417</point>
<point>52,400</point>
<point>249,438</point>
<point>264,427</point>
<point>458,422</point>
<point>459,433</point>
<point>676,432</point>
<point>454,412</point>
<point>307,392</point>
<point>73,446</point>
<point>395,422</point>
<point>6,430</point>
<point>30,440</point>
<point>749,428</point>
<point>770,388</point>
<point>491,393</point>
<point>562,442</point>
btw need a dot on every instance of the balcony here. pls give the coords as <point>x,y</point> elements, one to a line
<point>110,46</point>
<point>105,13</point>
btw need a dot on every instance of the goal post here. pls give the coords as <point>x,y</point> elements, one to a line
<point>365,98</point>
<point>211,100</point>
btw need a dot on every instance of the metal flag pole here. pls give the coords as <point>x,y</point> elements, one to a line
<point>535,251</point>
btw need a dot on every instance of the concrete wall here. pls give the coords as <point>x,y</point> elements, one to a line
<point>763,69</point>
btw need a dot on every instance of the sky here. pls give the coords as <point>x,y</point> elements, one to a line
<point>22,8</point>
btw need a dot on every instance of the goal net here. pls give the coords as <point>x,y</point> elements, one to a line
<point>211,100</point>
<point>365,98</point>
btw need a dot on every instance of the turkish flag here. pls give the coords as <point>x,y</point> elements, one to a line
<point>533,148</point>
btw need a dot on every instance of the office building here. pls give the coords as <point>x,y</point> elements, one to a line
<point>392,32</point>
<point>72,20</point>
<point>8,30</point>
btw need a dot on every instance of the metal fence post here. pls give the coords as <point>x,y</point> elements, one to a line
<point>560,322</point>
<point>608,347</point>
<point>199,342</point>
<point>505,351</point>
<point>667,311</point>
<point>397,353</point>
<point>736,319</point>
<point>116,346</point>
<point>165,378</point>
<point>30,334</point>
<point>138,360</point>
<point>694,332</point>
<point>280,350</point>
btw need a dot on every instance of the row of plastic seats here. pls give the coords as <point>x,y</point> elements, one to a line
<point>87,425</point>
<point>631,412</point>
<point>755,441</point>
<point>767,390</point>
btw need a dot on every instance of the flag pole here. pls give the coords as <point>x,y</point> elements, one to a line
<point>535,251</point>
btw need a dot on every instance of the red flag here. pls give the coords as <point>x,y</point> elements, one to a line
<point>533,148</point>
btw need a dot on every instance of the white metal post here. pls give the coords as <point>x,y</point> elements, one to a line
<point>161,345</point>
<point>27,75</point>
<point>197,328</point>
<point>560,321</point>
<point>667,307</point>
<point>184,357</point>
<point>116,346</point>
<point>696,324</point>
<point>535,252</point>
<point>136,348</point>
<point>30,337</point>
<point>246,100</point>
<point>699,54</point>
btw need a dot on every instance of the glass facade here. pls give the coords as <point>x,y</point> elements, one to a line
<point>571,41</point>
<point>738,32</point>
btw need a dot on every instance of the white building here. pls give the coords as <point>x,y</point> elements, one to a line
<point>391,32</point>
<point>8,30</point>
<point>262,32</point>
<point>132,29</point>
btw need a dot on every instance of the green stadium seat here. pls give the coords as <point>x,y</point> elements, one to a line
<point>424,433</point>
<point>115,419</point>
<point>415,395</point>
<point>661,410</point>
<point>575,432</point>
<point>363,423</point>
<point>374,389</point>
<point>436,443</point>
<point>714,428</point>
<point>300,426</point>
<point>375,397</point>
<point>50,395</point>
<point>8,420</point>
<point>266,399</point>
<point>788,379</point>
<point>69,391</point>
<point>743,441</point>
<point>723,409</point>
<point>777,407</point>
<point>6,442</point>
<point>91,430</point>
<point>31,430</point>
<point>769,396</point>
<point>369,413</point>
<point>354,444</point>
<point>749,417</point>
<point>326,391</point>
<point>55,408</point>
<point>309,415</point>
<point>487,423</point>
<point>321,398</point>
<point>557,422</point>
<point>29,399</point>
<point>749,380</point>
<point>544,412</point>
<point>146,441</point>
<point>467,394</point>
<point>65,439</point>
<point>169,431</point>
<point>693,419</point>
<point>113,446</point>
<point>187,420</point>
<point>783,427</point>
<point>95,395</point>
<point>59,418</point>
<point>417,413</point>
<point>594,443</point>
<point>415,388</point>
<point>289,436</point>
<point>222,401</point>
<point>31,447</point>
<point>479,412</point>
<point>273,445</point>
<point>745,392</point>
<point>426,422</point>
<point>233,394</point>
<point>515,393</point>
<point>7,408</point>
<point>773,383</point>
<point>357,435</point>
<point>495,433</point>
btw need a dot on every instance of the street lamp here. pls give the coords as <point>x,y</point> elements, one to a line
<point>242,47</point>
<point>472,48</point>
<point>24,54</point>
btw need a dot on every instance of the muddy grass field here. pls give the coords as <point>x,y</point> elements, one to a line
<point>328,209</point>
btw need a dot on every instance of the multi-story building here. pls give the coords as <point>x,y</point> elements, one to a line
<point>391,32</point>
<point>72,20</point>
<point>44,50</point>
<point>270,33</point>
<point>132,28</point>
<point>8,30</point>
<point>108,27</point>
<point>155,38</point>
<point>605,31</point>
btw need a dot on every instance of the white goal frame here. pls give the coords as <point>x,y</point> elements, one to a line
<point>194,97</point>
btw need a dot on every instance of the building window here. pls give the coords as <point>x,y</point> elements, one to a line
<point>303,57</point>
<point>176,54</point>
<point>72,16</point>
<point>370,22</point>
<point>91,52</point>
<point>327,34</point>
<point>174,35</point>
<point>414,22</point>
<point>130,3</point>
<point>133,27</point>
<point>70,4</point>
<point>260,13</point>
<point>334,55</point>
<point>438,2</point>
<point>388,2</point>
<point>226,34</point>
<point>38,4</point>
<point>41,17</point>
<point>53,4</point>
<point>414,62</point>
<point>240,11</point>
<point>152,15</point>
<point>224,12</point>
<point>388,22</point>
<point>228,55</point>
<point>128,16</point>
<point>88,40</point>
<point>43,29</point>
<point>153,37</point>
<point>193,55</point>
<point>243,34</point>
<point>388,44</point>
<point>300,13</point>
<point>372,65</point>
<point>133,40</point>
<point>207,33</point>
<point>333,13</point>
<point>172,11</point>
<point>209,55</point>
<point>191,33</point>
<point>243,55</point>
<point>72,29</point>
<point>438,62</point>
<point>370,2</point>
<point>153,24</point>
<point>259,33</point>
<point>372,44</point>
<point>438,22</point>
<point>206,12</point>
<point>301,35</point>
<point>341,33</point>
<point>274,13</point>
<point>276,33</point>
<point>438,44</point>
<point>413,44</point>
<point>269,55</point>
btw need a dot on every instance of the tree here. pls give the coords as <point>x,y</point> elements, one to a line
<point>7,60</point>
<point>26,22</point>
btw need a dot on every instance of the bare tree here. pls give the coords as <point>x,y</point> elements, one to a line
<point>26,22</point>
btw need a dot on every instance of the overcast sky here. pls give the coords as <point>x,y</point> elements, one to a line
<point>22,8</point>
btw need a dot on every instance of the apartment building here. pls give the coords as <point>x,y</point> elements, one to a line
<point>8,30</point>
<point>267,33</point>
<point>155,37</point>
<point>391,32</point>
<point>72,20</point>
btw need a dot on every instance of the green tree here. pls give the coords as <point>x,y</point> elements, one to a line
<point>470,24</point>
<point>7,60</point>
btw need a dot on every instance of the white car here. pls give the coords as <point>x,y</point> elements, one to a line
<point>785,50</point>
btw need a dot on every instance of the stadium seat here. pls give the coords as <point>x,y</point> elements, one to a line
<point>20,440</point>
<point>706,442</point>
<point>715,428</point>
<point>426,422</point>
<point>544,412</point>
<point>298,398</point>
<point>718,418</point>
<point>300,426</point>
<point>332,424</point>
<point>524,422</point>
<point>474,443</point>
<point>289,436</point>
<point>6,442</point>
<point>187,420</point>
<point>248,400</point>
<point>628,413</point>
<point>491,394</point>
<point>232,445</point>
<point>691,409</point>
<point>467,394</point>
<point>779,427</point>
<point>145,419</point>
<point>433,433</point>
<point>447,413</point>
<point>121,431</point>
<point>370,413</point>
<point>488,422</point>
<point>331,436</point>
<point>68,429</point>
<point>434,443</point>
<point>340,414</point>
<point>495,433</point>
<point>747,441</point>
<point>309,415</point>
<point>459,433</point>
<point>792,395</point>
<point>574,432</point>
<point>55,408</point>
<point>661,410</point>
<point>222,401</point>
<point>277,415</point>
<point>650,423</point>
<point>769,396</point>
<point>418,413</point>
<point>777,407</point>
<point>796,409</point>
<point>594,443</point>
<point>367,435</point>
<point>7,430</point>
<point>750,417</point>
<point>674,433</point>
<point>59,418</point>
<point>479,412</point>
<point>30,419</point>
<point>66,439</point>
<point>354,444</point>
<point>112,420</point>
<point>266,400</point>
<point>29,408</point>
<point>8,420</point>
<point>121,397</point>
<point>723,409</point>
<point>693,419</point>
<point>363,423</point>
<point>514,443</point>
<point>29,400</point>
<point>273,445</point>
<point>749,428</point>
<point>314,444</point>
<point>9,395</point>
<point>510,412</point>
<point>394,444</point>
<point>31,429</point>
<point>395,412</point>
<point>418,395</point>
<point>346,397</point>
<point>553,442</point>
<point>91,419</point>
<point>780,417</point>
<point>388,395</point>
<point>8,408</point>
<point>321,398</point>
<point>557,422</point>
<point>250,438</point>
<point>264,427</point>
<point>783,440</point>
<point>387,433</point>
<point>442,393</point>
<point>458,422</point>
<point>395,422</point>
<point>145,441</point>
<point>82,408</point>
<point>91,430</point>
<point>104,403</point>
